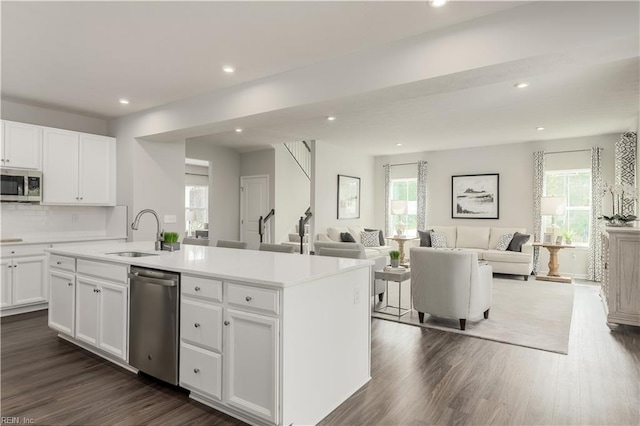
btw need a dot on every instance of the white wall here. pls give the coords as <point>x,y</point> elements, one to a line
<point>514,163</point>
<point>330,161</point>
<point>224,188</point>
<point>23,113</point>
<point>293,194</point>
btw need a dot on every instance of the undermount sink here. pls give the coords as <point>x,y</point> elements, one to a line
<point>132,254</point>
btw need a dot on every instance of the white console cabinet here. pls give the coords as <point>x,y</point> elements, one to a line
<point>21,145</point>
<point>78,168</point>
<point>620,287</point>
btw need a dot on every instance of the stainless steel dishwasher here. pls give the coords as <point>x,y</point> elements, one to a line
<point>154,322</point>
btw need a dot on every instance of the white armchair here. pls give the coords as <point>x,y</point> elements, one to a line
<point>450,283</point>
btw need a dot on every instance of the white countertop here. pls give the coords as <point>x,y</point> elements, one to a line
<point>54,240</point>
<point>251,266</point>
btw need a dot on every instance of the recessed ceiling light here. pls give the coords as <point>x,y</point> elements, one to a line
<point>437,3</point>
<point>522,85</point>
<point>398,144</point>
<point>124,101</point>
<point>539,128</point>
<point>238,130</point>
<point>228,69</point>
<point>331,118</point>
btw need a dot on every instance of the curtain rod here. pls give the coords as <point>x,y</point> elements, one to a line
<point>564,152</point>
<point>401,164</point>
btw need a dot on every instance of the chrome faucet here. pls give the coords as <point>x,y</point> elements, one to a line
<point>136,222</point>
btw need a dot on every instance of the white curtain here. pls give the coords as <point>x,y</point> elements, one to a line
<point>595,243</point>
<point>387,198</point>
<point>538,187</point>
<point>422,195</point>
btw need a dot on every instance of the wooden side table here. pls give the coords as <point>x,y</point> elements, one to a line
<point>553,274</point>
<point>401,241</point>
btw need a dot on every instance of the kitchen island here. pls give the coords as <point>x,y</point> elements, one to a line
<point>269,338</point>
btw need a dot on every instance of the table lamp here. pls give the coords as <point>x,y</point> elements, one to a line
<point>553,206</point>
<point>191,217</point>
<point>399,208</point>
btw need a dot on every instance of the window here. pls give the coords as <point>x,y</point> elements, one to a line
<point>405,190</point>
<point>196,199</point>
<point>575,187</point>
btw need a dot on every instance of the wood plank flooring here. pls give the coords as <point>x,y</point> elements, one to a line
<point>419,377</point>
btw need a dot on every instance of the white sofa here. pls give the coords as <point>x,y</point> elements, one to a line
<point>333,236</point>
<point>483,240</point>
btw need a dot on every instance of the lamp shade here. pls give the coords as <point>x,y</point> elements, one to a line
<point>552,206</point>
<point>399,206</point>
<point>191,216</point>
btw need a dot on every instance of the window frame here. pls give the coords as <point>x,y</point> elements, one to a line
<point>197,209</point>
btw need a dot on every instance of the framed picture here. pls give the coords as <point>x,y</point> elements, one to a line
<point>548,238</point>
<point>559,240</point>
<point>475,196</point>
<point>348,197</point>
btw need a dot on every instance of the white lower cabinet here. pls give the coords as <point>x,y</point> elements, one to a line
<point>23,282</point>
<point>251,363</point>
<point>101,315</point>
<point>62,301</point>
<point>229,351</point>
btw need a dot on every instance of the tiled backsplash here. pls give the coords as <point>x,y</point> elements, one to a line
<point>32,220</point>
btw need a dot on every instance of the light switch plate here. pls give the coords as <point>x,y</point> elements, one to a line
<point>170,218</point>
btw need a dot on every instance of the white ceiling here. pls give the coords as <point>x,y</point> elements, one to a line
<point>157,53</point>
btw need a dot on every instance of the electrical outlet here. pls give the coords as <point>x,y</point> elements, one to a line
<point>356,296</point>
<point>170,218</point>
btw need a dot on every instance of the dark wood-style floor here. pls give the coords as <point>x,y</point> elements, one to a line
<point>419,377</point>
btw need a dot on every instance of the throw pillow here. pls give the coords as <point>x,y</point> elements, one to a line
<point>370,239</point>
<point>346,237</point>
<point>381,237</point>
<point>504,242</point>
<point>517,241</point>
<point>438,239</point>
<point>425,238</point>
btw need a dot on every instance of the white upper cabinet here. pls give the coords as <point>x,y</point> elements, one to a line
<point>21,145</point>
<point>78,168</point>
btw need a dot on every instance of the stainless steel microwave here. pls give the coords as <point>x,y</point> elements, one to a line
<point>21,185</point>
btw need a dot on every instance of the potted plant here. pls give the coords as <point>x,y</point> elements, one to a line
<point>568,235</point>
<point>395,258</point>
<point>170,241</point>
<point>619,193</point>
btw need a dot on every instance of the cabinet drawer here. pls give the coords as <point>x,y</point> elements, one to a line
<point>201,324</point>
<point>62,262</point>
<point>202,288</point>
<point>253,298</point>
<point>107,271</point>
<point>24,250</point>
<point>201,370</point>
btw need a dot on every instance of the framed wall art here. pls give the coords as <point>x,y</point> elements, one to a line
<point>475,196</point>
<point>348,197</point>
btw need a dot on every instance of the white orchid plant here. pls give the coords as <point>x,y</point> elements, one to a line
<point>619,193</point>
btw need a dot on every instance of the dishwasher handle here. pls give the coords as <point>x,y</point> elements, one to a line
<point>137,277</point>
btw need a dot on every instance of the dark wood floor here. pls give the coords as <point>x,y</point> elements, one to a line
<point>420,377</point>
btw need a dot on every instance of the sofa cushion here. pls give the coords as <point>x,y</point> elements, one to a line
<point>496,233</point>
<point>504,242</point>
<point>356,231</point>
<point>334,233</point>
<point>346,237</point>
<point>425,238</point>
<point>449,232</point>
<point>380,236</point>
<point>438,239</point>
<point>370,238</point>
<point>517,241</point>
<point>507,256</point>
<point>473,237</point>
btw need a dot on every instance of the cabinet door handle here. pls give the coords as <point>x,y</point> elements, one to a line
<point>227,323</point>
<point>196,370</point>
<point>13,252</point>
<point>70,284</point>
<point>248,298</point>
<point>7,160</point>
<point>58,263</point>
<point>82,198</point>
<point>196,325</point>
<point>98,291</point>
<point>197,289</point>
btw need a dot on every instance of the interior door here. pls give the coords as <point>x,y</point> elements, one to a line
<point>254,203</point>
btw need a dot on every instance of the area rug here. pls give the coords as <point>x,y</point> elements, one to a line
<point>533,314</point>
